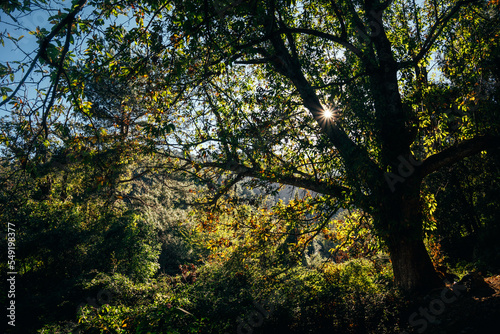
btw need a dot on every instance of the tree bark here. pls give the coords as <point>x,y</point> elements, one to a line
<point>401,221</point>
<point>411,264</point>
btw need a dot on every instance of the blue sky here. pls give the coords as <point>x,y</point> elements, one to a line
<point>19,24</point>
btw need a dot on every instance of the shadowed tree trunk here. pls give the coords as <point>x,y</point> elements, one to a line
<point>412,266</point>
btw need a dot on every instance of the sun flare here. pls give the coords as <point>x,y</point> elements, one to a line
<point>327,114</point>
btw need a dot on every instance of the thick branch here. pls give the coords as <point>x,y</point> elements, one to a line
<point>456,153</point>
<point>310,184</point>
<point>358,162</point>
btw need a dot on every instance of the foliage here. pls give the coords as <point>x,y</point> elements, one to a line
<point>67,234</point>
<point>467,215</point>
<point>163,202</point>
<point>343,298</point>
<point>157,305</point>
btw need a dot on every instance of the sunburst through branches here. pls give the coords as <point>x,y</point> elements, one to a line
<point>327,117</point>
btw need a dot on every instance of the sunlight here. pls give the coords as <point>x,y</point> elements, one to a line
<point>327,117</point>
<point>327,114</point>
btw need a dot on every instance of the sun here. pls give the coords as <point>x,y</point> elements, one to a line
<point>327,117</point>
<point>327,114</point>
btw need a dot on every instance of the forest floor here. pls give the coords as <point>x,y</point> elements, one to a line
<point>473,312</point>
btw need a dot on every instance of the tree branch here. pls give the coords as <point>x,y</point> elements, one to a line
<point>333,38</point>
<point>341,82</point>
<point>253,61</point>
<point>456,153</point>
<point>357,160</point>
<point>338,14</point>
<point>60,70</point>
<point>255,172</point>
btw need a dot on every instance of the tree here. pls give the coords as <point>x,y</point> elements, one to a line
<point>331,96</point>
<point>365,62</point>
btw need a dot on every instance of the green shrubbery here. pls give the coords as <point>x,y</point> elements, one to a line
<point>156,266</point>
<point>343,298</point>
<point>238,270</point>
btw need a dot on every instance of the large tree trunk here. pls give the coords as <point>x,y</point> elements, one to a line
<point>401,216</point>
<point>412,267</point>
